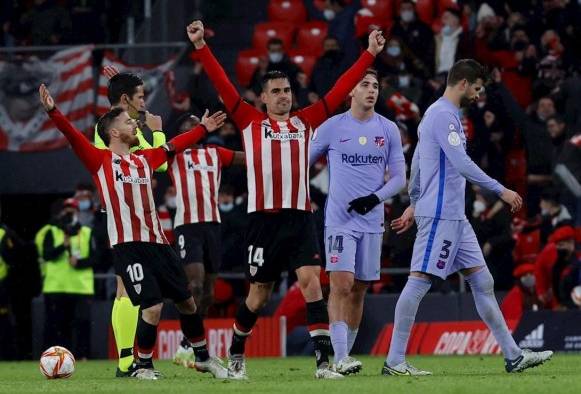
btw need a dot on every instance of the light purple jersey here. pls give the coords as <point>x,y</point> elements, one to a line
<point>440,165</point>
<point>358,154</point>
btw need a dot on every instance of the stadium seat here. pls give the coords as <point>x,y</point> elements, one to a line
<point>382,9</point>
<point>305,61</point>
<point>246,63</point>
<point>267,30</point>
<point>293,11</point>
<point>443,4</point>
<point>425,11</point>
<point>364,23</point>
<point>310,37</point>
<point>320,4</point>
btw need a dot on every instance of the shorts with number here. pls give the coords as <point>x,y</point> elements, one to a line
<point>443,247</point>
<point>279,241</point>
<point>200,243</point>
<point>150,273</point>
<point>353,251</point>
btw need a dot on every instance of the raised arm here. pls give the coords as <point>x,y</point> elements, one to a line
<point>90,156</point>
<point>318,112</point>
<point>241,112</point>
<point>156,156</point>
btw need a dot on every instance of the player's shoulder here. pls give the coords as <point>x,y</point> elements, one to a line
<point>387,124</point>
<point>343,116</point>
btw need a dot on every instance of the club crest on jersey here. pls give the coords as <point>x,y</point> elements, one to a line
<point>253,270</point>
<point>379,141</point>
<point>296,122</point>
<point>454,138</point>
<point>334,259</point>
<point>362,140</point>
<point>137,288</point>
<point>119,177</point>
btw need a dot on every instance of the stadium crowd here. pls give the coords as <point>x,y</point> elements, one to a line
<point>525,130</point>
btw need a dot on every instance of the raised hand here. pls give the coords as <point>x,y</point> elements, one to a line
<point>376,42</point>
<point>213,122</point>
<point>153,121</point>
<point>195,32</point>
<point>45,98</point>
<point>404,222</point>
<point>110,71</point>
<point>512,198</point>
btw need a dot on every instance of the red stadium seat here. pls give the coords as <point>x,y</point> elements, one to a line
<point>379,8</point>
<point>246,64</point>
<point>293,11</point>
<point>425,11</point>
<point>267,30</point>
<point>305,61</point>
<point>364,23</point>
<point>320,4</point>
<point>310,37</point>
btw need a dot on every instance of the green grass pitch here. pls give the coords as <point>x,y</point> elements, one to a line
<point>452,374</point>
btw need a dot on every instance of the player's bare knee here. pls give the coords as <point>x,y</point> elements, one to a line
<point>152,314</point>
<point>258,296</point>
<point>197,288</point>
<point>187,307</point>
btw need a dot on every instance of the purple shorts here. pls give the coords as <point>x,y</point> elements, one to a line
<point>443,247</point>
<point>353,251</point>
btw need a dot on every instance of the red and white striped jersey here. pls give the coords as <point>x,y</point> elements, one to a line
<point>277,163</point>
<point>124,183</point>
<point>196,175</point>
<point>277,152</point>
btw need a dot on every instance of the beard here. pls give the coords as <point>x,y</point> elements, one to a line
<point>130,139</point>
<point>465,102</point>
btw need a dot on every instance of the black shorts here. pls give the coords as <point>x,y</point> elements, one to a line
<point>200,243</point>
<point>150,273</point>
<point>279,241</point>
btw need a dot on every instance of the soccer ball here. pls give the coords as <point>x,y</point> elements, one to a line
<point>576,295</point>
<point>57,362</point>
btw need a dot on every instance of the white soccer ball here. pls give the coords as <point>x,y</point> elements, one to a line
<point>57,362</point>
<point>576,295</point>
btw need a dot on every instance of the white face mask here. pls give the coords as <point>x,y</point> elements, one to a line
<point>404,81</point>
<point>407,16</point>
<point>528,280</point>
<point>447,30</point>
<point>393,51</point>
<point>170,202</point>
<point>329,14</point>
<point>478,207</point>
<point>275,57</point>
<point>226,207</point>
<point>84,205</point>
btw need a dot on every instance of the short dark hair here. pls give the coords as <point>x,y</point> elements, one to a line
<point>120,84</point>
<point>454,11</point>
<point>105,122</point>
<point>371,71</point>
<point>468,69</point>
<point>274,41</point>
<point>551,195</point>
<point>275,74</point>
<point>557,118</point>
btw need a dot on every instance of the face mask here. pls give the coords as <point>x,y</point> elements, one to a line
<point>545,212</point>
<point>478,207</point>
<point>393,51</point>
<point>528,281</point>
<point>170,202</point>
<point>447,30</point>
<point>480,104</point>
<point>520,45</point>
<point>69,219</point>
<point>407,16</point>
<point>332,53</point>
<point>275,57</point>
<point>329,14</point>
<point>84,205</point>
<point>226,207</point>
<point>404,81</point>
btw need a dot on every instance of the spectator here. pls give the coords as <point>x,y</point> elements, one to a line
<point>570,278</point>
<point>452,43</point>
<point>84,195</point>
<point>417,37</point>
<point>567,172</point>
<point>551,64</point>
<point>553,213</point>
<point>550,264</point>
<point>491,220</point>
<point>67,252</point>
<point>536,140</point>
<point>234,221</point>
<point>391,61</point>
<point>569,93</point>
<point>328,67</point>
<point>277,60</point>
<point>522,296</point>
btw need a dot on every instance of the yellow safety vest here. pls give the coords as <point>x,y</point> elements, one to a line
<point>3,265</point>
<point>59,275</point>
